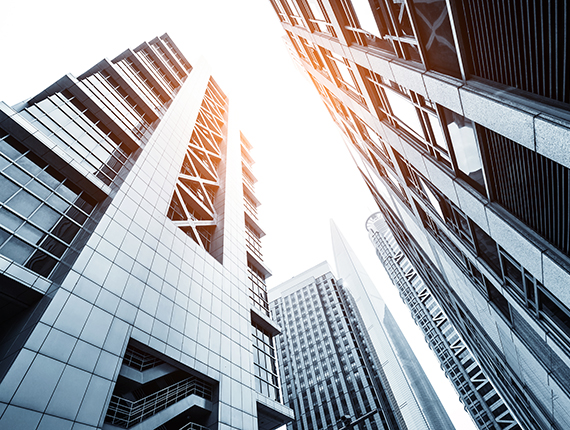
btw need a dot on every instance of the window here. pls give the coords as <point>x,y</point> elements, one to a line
<point>41,212</point>
<point>319,19</point>
<point>343,74</point>
<point>499,301</point>
<point>411,113</point>
<point>465,149</point>
<point>265,363</point>
<point>555,311</point>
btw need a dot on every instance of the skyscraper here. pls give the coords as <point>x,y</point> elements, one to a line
<point>456,114</point>
<point>132,283</point>
<point>344,361</point>
<point>481,400</point>
<point>419,403</point>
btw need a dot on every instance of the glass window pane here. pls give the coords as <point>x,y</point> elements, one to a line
<point>487,249</point>
<point>3,236</point>
<point>58,203</point>
<point>558,314</point>
<point>45,217</point>
<point>437,132</point>
<point>3,163</point>
<point>30,233</point>
<point>464,142</point>
<point>17,174</point>
<point>9,220</point>
<point>7,189</point>
<point>41,263</point>
<point>24,203</point>
<point>8,150</point>
<point>316,9</point>
<point>17,250</point>
<point>38,189</point>
<point>366,17</point>
<point>404,110</point>
<point>65,230</point>
<point>54,246</point>
<point>512,272</point>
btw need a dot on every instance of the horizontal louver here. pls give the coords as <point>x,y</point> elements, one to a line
<point>520,43</point>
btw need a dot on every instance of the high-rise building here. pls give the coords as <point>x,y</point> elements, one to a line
<point>456,114</point>
<point>481,400</point>
<point>132,289</point>
<point>419,403</point>
<point>343,360</point>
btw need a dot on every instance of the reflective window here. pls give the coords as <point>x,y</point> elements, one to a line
<point>41,216</point>
<point>465,148</point>
<point>319,19</point>
<point>404,110</point>
<point>265,363</point>
<point>410,112</point>
<point>366,17</point>
<point>294,14</point>
<point>73,128</point>
<point>499,300</point>
<point>139,80</point>
<point>558,313</point>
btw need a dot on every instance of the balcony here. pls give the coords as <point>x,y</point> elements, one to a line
<point>128,413</point>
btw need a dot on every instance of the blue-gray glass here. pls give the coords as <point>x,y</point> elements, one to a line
<point>40,216</point>
<point>465,147</point>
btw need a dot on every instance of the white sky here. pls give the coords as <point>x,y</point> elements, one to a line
<point>305,173</point>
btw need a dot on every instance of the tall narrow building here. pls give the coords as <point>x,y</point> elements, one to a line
<point>456,113</point>
<point>419,403</point>
<point>132,287</point>
<point>477,393</point>
<point>344,362</point>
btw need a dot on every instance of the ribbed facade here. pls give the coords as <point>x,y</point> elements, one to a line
<point>419,404</point>
<point>124,290</point>
<point>481,400</point>
<point>331,375</point>
<point>456,114</point>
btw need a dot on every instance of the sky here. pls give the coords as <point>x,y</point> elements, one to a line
<point>305,173</point>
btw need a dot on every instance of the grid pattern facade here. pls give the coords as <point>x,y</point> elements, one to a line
<point>481,400</point>
<point>331,375</point>
<point>456,114</point>
<point>112,315</point>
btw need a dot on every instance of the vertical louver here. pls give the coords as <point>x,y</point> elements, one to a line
<point>522,44</point>
<point>533,188</point>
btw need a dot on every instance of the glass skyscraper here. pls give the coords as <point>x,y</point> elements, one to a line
<point>419,403</point>
<point>132,284</point>
<point>344,362</point>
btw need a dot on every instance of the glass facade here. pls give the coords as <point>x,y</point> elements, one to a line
<point>112,313</point>
<point>41,212</point>
<point>334,369</point>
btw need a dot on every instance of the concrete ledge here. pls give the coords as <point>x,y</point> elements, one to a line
<point>516,124</point>
<point>553,138</point>
<point>409,77</point>
<point>513,241</point>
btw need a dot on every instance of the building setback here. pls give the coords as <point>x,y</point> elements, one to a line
<point>456,114</point>
<point>342,369</point>
<point>479,397</point>
<point>132,289</point>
